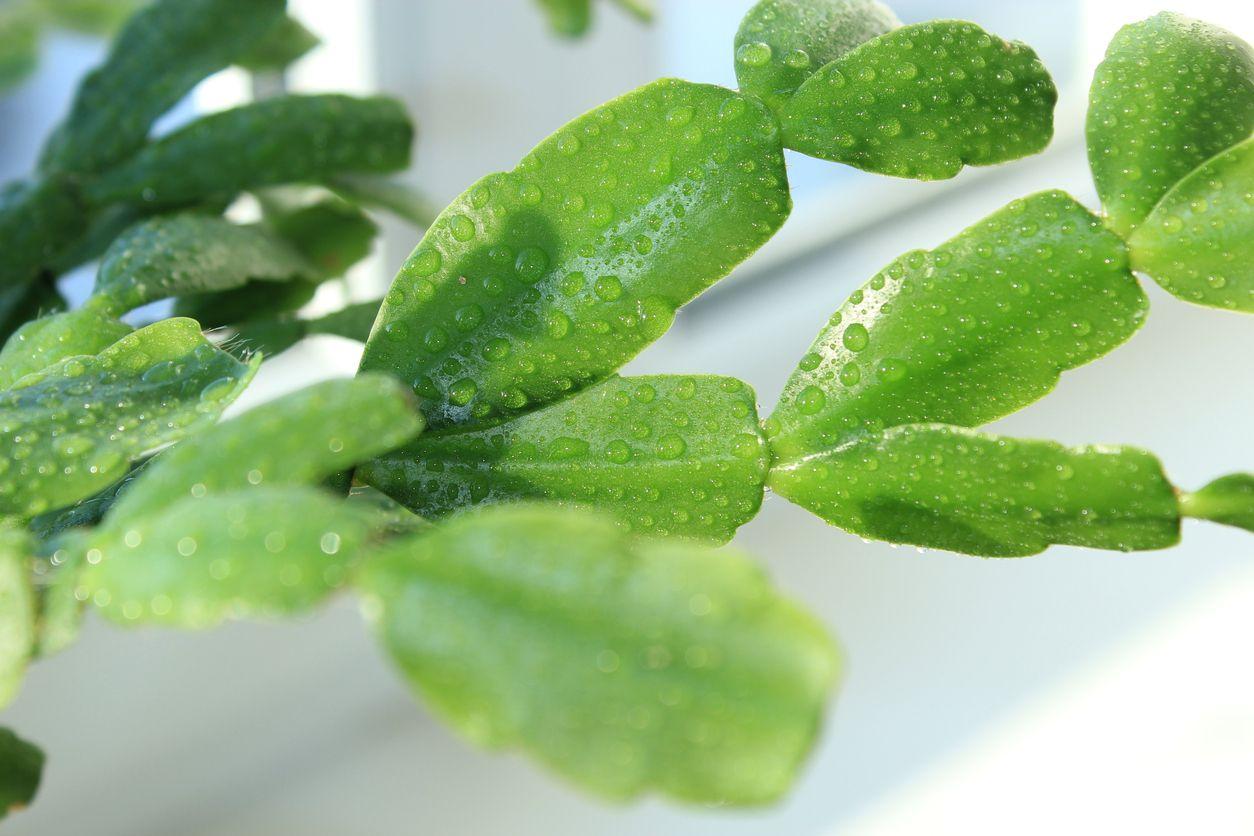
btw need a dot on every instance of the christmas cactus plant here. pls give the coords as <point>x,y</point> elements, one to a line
<point>534,538</point>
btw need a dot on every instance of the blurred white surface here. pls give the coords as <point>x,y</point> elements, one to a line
<point>1076,692</point>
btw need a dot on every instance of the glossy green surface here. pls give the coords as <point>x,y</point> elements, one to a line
<point>1228,500</point>
<point>42,342</point>
<point>541,280</point>
<point>17,611</point>
<point>1198,243</point>
<point>668,454</point>
<point>181,254</point>
<point>161,53</point>
<point>263,551</point>
<point>965,333</point>
<point>781,43</point>
<point>924,100</point>
<point>956,489</point>
<point>21,766</point>
<point>280,140</point>
<point>626,665</point>
<point>1171,93</point>
<point>72,429</point>
<point>298,439</point>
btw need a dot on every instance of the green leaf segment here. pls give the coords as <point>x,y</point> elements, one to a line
<point>556,621</point>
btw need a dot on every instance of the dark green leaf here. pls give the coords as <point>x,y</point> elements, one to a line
<point>781,43</point>
<point>265,551</point>
<point>161,53</point>
<point>626,665</point>
<point>1171,93</point>
<point>396,197</point>
<point>71,430</point>
<point>37,222</point>
<point>178,254</point>
<point>17,612</point>
<point>20,304</point>
<point>278,334</point>
<point>965,333</point>
<point>286,41</point>
<point>1198,243</point>
<point>668,454</point>
<point>536,282</point>
<point>956,489</point>
<point>330,232</point>
<point>21,766</point>
<point>281,140</point>
<point>1228,500</point>
<point>42,342</point>
<point>299,439</point>
<point>923,101</point>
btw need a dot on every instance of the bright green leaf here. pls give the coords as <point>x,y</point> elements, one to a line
<point>626,665</point>
<point>569,18</point>
<point>667,454</point>
<point>19,43</point>
<point>1198,243</point>
<point>189,253</point>
<point>965,333</point>
<point>956,489</point>
<point>299,439</point>
<point>59,612</point>
<point>42,342</point>
<point>286,42</point>
<point>1171,93</point>
<point>264,551</point>
<point>536,282</point>
<point>923,101</point>
<point>157,58</point>
<point>781,43</point>
<point>94,17</point>
<point>71,430</point>
<point>272,336</point>
<point>17,611</point>
<point>281,140</point>
<point>21,766</point>
<point>1228,500</point>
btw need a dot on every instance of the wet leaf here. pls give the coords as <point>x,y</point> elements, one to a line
<point>965,333</point>
<point>42,342</point>
<point>1198,243</point>
<point>781,43</point>
<point>956,489</point>
<point>298,439</point>
<point>17,613</point>
<point>71,430</point>
<point>263,551</point>
<point>285,139</point>
<point>20,304</point>
<point>1171,93</point>
<point>924,100</point>
<point>21,766</point>
<point>159,56</point>
<point>189,253</point>
<point>626,665</point>
<point>668,454</point>
<point>1228,500</point>
<point>536,282</point>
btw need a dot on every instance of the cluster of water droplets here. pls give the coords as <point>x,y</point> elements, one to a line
<point>540,280</point>
<point>923,100</point>
<point>671,454</point>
